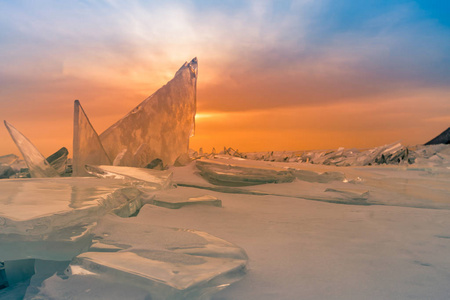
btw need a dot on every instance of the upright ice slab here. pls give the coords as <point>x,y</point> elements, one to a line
<point>37,164</point>
<point>159,127</point>
<point>87,148</point>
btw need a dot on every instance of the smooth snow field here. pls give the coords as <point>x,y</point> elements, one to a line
<point>229,228</point>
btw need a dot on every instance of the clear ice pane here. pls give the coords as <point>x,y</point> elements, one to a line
<point>87,148</point>
<point>37,164</point>
<point>156,179</point>
<point>51,218</point>
<point>159,127</point>
<point>156,262</point>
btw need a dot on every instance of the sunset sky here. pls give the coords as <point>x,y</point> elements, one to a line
<point>273,75</point>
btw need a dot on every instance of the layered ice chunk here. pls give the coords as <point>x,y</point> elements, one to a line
<point>219,173</point>
<point>183,196</point>
<point>159,127</point>
<point>37,164</point>
<point>52,218</point>
<point>138,260</point>
<point>58,160</point>
<point>87,148</point>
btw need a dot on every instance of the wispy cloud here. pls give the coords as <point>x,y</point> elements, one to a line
<point>254,55</point>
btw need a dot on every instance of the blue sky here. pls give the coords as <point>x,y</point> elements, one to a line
<point>307,66</point>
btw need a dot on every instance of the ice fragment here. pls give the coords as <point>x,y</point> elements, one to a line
<point>58,160</point>
<point>87,148</point>
<point>138,176</point>
<point>159,127</point>
<point>37,164</point>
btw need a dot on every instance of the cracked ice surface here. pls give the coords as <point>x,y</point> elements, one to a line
<point>51,218</point>
<point>159,127</point>
<point>142,260</point>
<point>384,235</point>
<point>384,185</point>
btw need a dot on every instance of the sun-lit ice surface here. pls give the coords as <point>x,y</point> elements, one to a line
<point>159,127</point>
<point>37,164</point>
<point>87,148</point>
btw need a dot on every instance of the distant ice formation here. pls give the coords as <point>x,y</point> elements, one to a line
<point>443,138</point>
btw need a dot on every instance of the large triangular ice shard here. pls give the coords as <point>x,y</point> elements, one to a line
<point>87,148</point>
<point>36,162</point>
<point>159,127</point>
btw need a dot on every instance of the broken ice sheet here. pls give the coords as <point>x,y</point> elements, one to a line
<point>87,148</point>
<point>233,175</point>
<point>159,127</point>
<point>37,164</point>
<point>150,178</point>
<point>183,196</point>
<point>149,261</point>
<point>58,160</point>
<point>48,218</point>
<point>311,176</point>
<point>8,159</point>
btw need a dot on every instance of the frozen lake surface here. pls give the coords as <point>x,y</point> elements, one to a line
<point>305,231</point>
